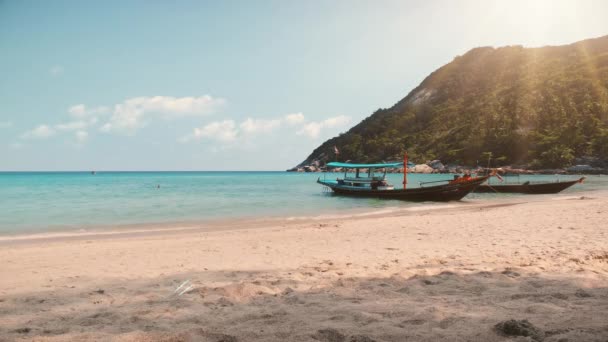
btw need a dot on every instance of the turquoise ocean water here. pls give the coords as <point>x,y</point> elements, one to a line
<point>44,201</point>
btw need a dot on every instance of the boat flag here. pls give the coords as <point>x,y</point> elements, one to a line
<point>404,170</point>
<point>336,151</point>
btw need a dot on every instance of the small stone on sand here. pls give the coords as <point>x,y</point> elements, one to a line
<point>515,327</point>
<point>329,335</point>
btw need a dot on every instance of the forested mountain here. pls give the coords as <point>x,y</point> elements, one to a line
<point>539,107</point>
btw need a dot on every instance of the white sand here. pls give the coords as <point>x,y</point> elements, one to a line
<point>436,275</point>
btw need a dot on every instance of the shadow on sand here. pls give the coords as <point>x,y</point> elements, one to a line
<point>255,306</point>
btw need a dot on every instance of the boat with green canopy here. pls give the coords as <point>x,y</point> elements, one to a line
<point>370,184</point>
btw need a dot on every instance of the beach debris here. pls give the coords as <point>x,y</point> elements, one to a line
<point>200,334</point>
<point>515,327</point>
<point>224,302</point>
<point>22,330</point>
<point>181,285</point>
<point>580,293</point>
<point>559,295</point>
<point>329,335</point>
<point>430,282</point>
<point>221,337</point>
<point>184,287</point>
<point>100,291</point>
<point>333,335</point>
<point>600,256</point>
<point>510,273</point>
<point>413,322</point>
<point>360,338</point>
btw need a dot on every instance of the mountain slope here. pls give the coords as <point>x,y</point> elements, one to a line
<point>537,106</point>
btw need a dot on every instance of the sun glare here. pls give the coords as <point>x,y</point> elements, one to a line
<point>534,23</point>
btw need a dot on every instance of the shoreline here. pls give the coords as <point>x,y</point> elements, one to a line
<point>227,224</point>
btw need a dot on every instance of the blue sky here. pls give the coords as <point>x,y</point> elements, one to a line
<point>232,85</point>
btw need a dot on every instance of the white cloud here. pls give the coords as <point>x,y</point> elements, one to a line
<point>46,131</point>
<point>336,121</point>
<point>81,111</point>
<point>252,126</point>
<point>228,131</point>
<point>222,131</point>
<point>77,125</point>
<point>177,106</point>
<point>85,118</point>
<point>56,70</point>
<point>81,136</point>
<point>40,132</point>
<point>126,119</point>
<point>6,124</point>
<point>78,110</point>
<point>313,129</point>
<point>294,119</point>
<point>129,115</point>
<point>71,126</point>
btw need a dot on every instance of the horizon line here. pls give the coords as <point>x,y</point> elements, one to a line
<point>99,171</point>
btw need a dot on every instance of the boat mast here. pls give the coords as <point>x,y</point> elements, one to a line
<point>405,170</point>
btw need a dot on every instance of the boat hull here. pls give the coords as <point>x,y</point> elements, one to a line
<point>439,193</point>
<point>541,188</point>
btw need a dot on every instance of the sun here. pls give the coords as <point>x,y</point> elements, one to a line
<point>536,22</point>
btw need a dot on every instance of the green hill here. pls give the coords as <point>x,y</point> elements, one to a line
<point>541,107</point>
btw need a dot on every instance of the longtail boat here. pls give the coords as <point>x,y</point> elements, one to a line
<point>528,187</point>
<point>370,185</point>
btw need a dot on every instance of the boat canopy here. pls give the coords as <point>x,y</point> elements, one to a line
<point>361,166</point>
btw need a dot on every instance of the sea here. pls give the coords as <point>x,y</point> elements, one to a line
<point>34,202</point>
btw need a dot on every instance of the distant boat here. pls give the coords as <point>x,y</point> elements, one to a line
<point>371,185</point>
<point>93,172</point>
<point>528,187</point>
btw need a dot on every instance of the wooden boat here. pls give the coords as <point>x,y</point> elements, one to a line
<point>371,185</point>
<point>528,188</point>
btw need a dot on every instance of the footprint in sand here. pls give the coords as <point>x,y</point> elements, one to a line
<point>510,273</point>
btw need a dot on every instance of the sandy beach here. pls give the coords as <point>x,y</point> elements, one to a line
<point>449,273</point>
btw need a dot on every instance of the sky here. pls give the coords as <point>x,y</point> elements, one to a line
<point>232,85</point>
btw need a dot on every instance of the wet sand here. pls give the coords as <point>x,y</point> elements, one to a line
<point>447,274</point>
